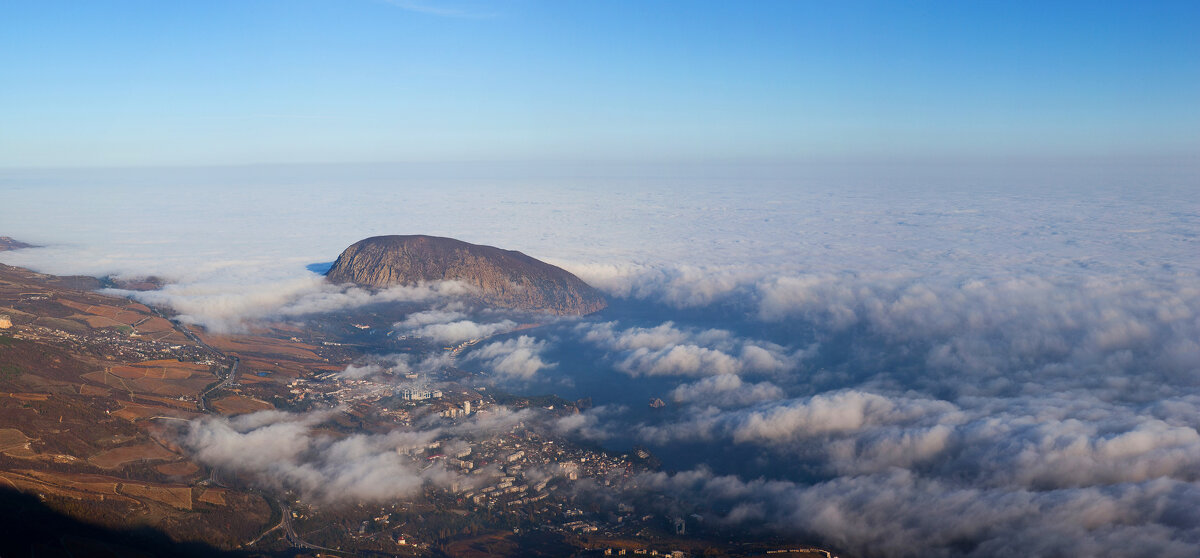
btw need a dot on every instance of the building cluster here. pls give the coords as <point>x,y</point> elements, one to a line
<point>519,470</point>
<point>394,402</point>
<point>643,552</point>
<point>522,467</point>
<point>112,344</point>
<point>458,411</point>
<point>420,393</point>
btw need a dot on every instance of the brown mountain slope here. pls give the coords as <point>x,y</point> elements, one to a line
<point>503,278</point>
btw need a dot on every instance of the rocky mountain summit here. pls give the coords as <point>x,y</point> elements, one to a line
<point>503,278</point>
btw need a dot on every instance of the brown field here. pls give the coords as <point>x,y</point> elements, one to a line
<point>119,457</point>
<point>84,485</point>
<point>166,369</point>
<point>102,377</point>
<point>96,322</point>
<point>214,496</point>
<point>175,496</point>
<point>154,324</point>
<point>28,396</point>
<point>238,404</point>
<point>27,483</point>
<point>258,345</point>
<point>195,367</point>
<point>126,378</point>
<point>133,412</point>
<point>171,388</point>
<point>157,373</point>
<point>90,390</point>
<point>178,469</point>
<point>169,401</point>
<point>159,329</point>
<point>12,437</point>
<point>16,314</point>
<point>26,452</point>
<point>98,484</point>
<point>283,368</point>
<point>59,323</point>
<point>104,315</point>
<point>113,314</point>
<point>14,443</point>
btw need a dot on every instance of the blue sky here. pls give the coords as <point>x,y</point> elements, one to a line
<point>244,82</point>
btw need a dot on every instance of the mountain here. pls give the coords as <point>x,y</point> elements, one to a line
<point>8,243</point>
<point>502,278</point>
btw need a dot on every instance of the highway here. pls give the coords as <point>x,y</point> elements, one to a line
<point>224,383</point>
<point>290,532</point>
<point>202,401</point>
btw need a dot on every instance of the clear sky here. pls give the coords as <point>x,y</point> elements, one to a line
<point>248,81</point>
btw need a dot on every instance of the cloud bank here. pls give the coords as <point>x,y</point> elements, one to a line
<point>973,362</point>
<point>897,513</point>
<point>513,359</point>
<point>666,350</point>
<point>992,416</point>
<point>286,451</point>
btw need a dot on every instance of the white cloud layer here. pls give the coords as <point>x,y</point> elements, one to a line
<point>897,513</point>
<point>230,306</point>
<point>726,390</point>
<point>283,450</point>
<point>519,358</point>
<point>666,350</point>
<point>450,324</point>
<point>984,362</point>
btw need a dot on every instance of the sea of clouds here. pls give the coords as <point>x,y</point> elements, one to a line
<point>914,360</point>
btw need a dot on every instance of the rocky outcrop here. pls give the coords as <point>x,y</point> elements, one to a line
<point>8,243</point>
<point>502,278</point>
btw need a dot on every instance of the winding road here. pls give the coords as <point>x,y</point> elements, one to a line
<point>286,521</point>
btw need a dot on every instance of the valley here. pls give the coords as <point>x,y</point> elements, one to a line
<point>101,399</point>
